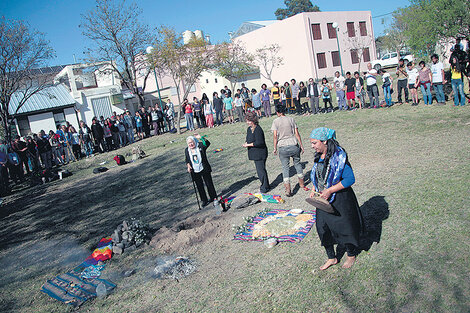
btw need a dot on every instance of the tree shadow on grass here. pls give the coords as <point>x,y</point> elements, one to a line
<point>235,187</point>
<point>93,207</point>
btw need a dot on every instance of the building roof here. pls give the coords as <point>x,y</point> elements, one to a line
<point>250,26</point>
<point>51,97</point>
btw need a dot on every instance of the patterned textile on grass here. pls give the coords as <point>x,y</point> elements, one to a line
<point>277,223</point>
<point>73,287</point>
<point>69,288</point>
<point>261,196</point>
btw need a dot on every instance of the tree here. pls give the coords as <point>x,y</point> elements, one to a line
<point>119,37</point>
<point>358,44</point>
<point>294,7</point>
<point>184,63</point>
<point>268,57</point>
<point>395,38</point>
<point>22,50</point>
<point>426,23</point>
<point>233,62</point>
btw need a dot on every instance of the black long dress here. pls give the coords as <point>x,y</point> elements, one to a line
<point>346,226</point>
<point>258,153</point>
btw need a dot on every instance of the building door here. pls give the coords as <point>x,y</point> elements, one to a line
<point>101,107</point>
<point>23,126</point>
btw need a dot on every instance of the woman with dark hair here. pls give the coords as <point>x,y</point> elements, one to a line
<point>303,98</point>
<point>265,100</point>
<point>198,114</point>
<point>288,91</point>
<point>332,178</point>
<point>457,71</point>
<point>257,149</point>
<point>326,94</point>
<point>425,82</point>
<point>199,167</point>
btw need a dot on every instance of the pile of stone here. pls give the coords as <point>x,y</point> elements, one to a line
<point>130,235</point>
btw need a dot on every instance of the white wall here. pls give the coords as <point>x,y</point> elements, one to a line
<point>42,121</point>
<point>71,117</point>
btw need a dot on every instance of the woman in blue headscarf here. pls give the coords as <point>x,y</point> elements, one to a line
<point>199,167</point>
<point>333,177</point>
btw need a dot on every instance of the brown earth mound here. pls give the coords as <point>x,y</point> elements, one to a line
<point>192,231</point>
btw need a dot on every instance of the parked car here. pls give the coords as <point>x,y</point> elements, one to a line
<point>391,60</point>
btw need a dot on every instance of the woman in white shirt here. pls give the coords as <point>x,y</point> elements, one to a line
<point>412,82</point>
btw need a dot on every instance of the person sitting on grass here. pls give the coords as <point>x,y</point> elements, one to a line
<point>199,167</point>
<point>333,177</point>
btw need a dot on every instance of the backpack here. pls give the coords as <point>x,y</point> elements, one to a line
<point>120,160</point>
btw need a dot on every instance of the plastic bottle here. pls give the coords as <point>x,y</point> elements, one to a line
<point>101,291</point>
<point>217,207</point>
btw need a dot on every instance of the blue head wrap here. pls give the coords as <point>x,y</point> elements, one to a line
<point>323,134</point>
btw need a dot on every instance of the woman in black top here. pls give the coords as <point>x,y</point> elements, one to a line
<point>257,149</point>
<point>303,97</point>
<point>199,167</point>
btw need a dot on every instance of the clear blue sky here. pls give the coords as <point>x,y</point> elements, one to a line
<point>59,20</point>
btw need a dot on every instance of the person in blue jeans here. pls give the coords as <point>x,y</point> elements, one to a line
<point>387,84</point>
<point>457,71</point>
<point>438,79</point>
<point>425,81</point>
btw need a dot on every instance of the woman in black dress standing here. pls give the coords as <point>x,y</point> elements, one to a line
<point>257,149</point>
<point>199,167</point>
<point>332,177</point>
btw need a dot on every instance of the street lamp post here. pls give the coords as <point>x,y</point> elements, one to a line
<point>335,26</point>
<point>149,50</point>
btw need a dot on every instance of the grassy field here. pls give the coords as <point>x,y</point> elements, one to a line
<point>412,174</point>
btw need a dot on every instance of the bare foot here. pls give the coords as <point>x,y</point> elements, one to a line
<point>349,262</point>
<point>329,263</point>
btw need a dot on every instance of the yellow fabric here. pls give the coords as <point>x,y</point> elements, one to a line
<point>456,74</point>
<point>276,92</point>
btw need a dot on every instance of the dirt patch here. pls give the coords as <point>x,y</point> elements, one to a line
<point>191,231</point>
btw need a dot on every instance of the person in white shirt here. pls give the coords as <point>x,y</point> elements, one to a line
<point>412,82</point>
<point>438,80</point>
<point>387,84</point>
<point>372,89</point>
<point>340,94</point>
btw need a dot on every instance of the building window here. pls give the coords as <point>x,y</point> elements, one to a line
<point>363,28</point>
<point>354,56</point>
<point>23,125</point>
<point>216,80</point>
<point>331,31</point>
<point>351,31</point>
<point>366,55</point>
<point>207,81</point>
<point>316,31</point>
<point>321,60</point>
<point>335,58</point>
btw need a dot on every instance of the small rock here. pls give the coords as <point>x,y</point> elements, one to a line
<point>120,245</point>
<point>116,237</point>
<point>125,226</point>
<point>117,250</point>
<point>125,235</point>
<point>126,243</point>
<point>128,273</point>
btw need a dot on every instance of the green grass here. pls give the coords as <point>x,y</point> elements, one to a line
<point>416,158</point>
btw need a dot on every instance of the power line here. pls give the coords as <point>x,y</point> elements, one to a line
<point>383,14</point>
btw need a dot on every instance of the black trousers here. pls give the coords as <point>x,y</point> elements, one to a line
<point>402,84</point>
<point>262,175</point>
<point>201,178</point>
<point>298,107</point>
<point>350,249</point>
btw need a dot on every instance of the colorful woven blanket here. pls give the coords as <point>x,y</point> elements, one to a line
<point>69,288</point>
<point>79,285</point>
<point>278,223</point>
<point>262,197</point>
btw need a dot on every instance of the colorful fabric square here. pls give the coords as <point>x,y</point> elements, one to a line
<point>268,198</point>
<point>261,196</point>
<point>103,252</point>
<point>254,232</point>
<point>92,271</point>
<point>70,289</point>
